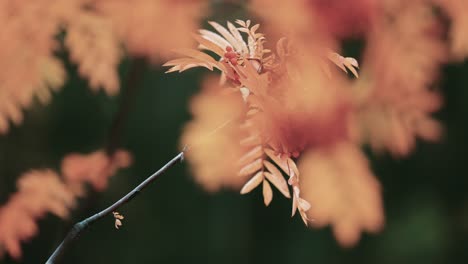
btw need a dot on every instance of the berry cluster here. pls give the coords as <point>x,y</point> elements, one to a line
<point>231,56</point>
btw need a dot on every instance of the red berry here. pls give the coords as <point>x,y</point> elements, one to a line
<point>228,48</point>
<point>233,61</point>
<point>230,55</point>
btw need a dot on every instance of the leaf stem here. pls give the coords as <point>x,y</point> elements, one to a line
<point>79,227</point>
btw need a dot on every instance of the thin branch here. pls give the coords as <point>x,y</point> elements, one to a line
<point>79,227</point>
<point>130,89</point>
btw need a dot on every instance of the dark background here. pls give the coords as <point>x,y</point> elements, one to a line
<point>175,221</point>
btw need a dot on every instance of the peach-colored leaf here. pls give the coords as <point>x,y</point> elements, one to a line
<point>240,23</point>
<point>251,168</point>
<point>267,193</point>
<point>118,219</point>
<point>215,38</point>
<point>343,191</point>
<point>215,130</point>
<point>252,155</point>
<point>281,49</point>
<point>227,35</point>
<point>345,63</point>
<point>235,32</point>
<point>276,178</point>
<point>252,183</point>
<point>39,192</point>
<point>294,205</point>
<point>253,140</point>
<point>209,44</point>
<point>151,29</point>
<point>254,28</point>
<point>118,223</point>
<point>286,164</point>
<point>94,46</point>
<point>196,55</point>
<point>94,168</point>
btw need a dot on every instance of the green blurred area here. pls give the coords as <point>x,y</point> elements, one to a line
<point>175,221</point>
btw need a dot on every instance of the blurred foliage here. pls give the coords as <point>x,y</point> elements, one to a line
<point>175,221</point>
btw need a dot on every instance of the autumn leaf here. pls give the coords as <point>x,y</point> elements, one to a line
<point>39,192</point>
<point>457,11</point>
<point>267,193</point>
<point>95,33</point>
<point>347,63</point>
<point>94,168</point>
<point>343,190</point>
<point>276,178</point>
<point>212,137</point>
<point>152,29</point>
<point>118,219</point>
<point>94,46</point>
<point>28,66</point>
<point>253,183</point>
<point>288,105</point>
<point>396,97</point>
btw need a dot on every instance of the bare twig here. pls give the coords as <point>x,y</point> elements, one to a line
<point>79,227</point>
<point>127,98</point>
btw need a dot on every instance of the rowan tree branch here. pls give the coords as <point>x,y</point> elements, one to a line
<point>79,227</point>
<point>131,86</point>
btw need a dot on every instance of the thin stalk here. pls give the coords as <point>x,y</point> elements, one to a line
<point>127,98</point>
<point>79,227</point>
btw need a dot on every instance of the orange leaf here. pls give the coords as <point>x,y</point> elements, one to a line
<point>276,178</point>
<point>252,183</point>
<point>343,190</point>
<point>267,193</point>
<point>251,168</point>
<point>252,155</point>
